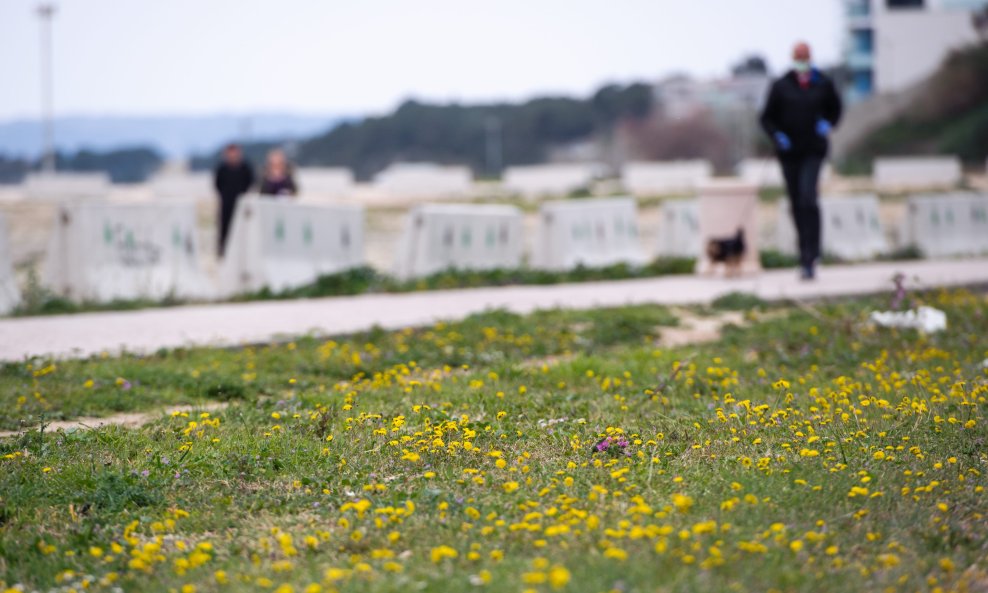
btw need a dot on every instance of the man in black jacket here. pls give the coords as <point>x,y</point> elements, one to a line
<point>803,107</point>
<point>233,178</point>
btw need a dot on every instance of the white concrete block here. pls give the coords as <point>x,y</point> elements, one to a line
<point>10,294</point>
<point>60,186</point>
<point>325,182</point>
<point>665,178</point>
<point>761,172</point>
<point>281,244</point>
<point>903,173</point>
<point>553,180</point>
<point>768,173</point>
<point>851,228</point>
<point>948,225</point>
<point>184,185</point>
<point>101,251</point>
<point>440,237</point>
<point>679,232</point>
<point>424,180</point>
<point>588,232</point>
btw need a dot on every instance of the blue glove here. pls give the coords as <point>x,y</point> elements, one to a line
<point>783,141</point>
<point>823,128</point>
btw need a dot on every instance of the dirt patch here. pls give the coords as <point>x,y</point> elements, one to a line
<point>696,329</point>
<point>692,329</point>
<point>548,361</point>
<point>125,419</point>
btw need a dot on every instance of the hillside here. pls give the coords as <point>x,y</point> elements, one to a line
<point>512,134</point>
<point>947,115</point>
<point>129,164</point>
<point>174,136</point>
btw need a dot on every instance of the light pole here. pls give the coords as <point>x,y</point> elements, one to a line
<point>495,151</point>
<point>46,12</point>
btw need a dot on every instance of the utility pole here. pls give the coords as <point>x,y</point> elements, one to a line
<point>46,12</point>
<point>495,156</point>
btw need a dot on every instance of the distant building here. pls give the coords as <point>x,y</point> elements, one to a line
<point>893,44</point>
<point>681,97</point>
<point>732,102</point>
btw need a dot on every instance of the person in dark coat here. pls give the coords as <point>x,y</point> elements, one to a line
<point>802,109</point>
<point>277,179</point>
<point>233,178</point>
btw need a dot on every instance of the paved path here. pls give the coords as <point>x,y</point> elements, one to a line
<point>145,331</point>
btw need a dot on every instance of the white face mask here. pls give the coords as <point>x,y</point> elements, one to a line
<point>801,66</point>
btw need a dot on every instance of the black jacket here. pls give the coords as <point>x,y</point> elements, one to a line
<point>233,181</point>
<point>795,111</point>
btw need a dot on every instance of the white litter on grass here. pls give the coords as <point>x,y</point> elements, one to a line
<point>926,319</point>
<point>544,423</point>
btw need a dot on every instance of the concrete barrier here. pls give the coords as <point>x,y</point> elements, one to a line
<point>101,251</point>
<point>761,172</point>
<point>679,233</point>
<point>851,228</point>
<point>439,237</point>
<point>281,244</point>
<point>555,180</point>
<point>424,180</point>
<point>664,178</point>
<point>948,225</point>
<point>588,232</point>
<point>325,182</point>
<point>60,186</point>
<point>10,294</point>
<point>724,207</point>
<point>190,185</point>
<point>768,173</point>
<point>905,173</point>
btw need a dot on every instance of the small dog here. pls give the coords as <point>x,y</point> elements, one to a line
<point>728,251</point>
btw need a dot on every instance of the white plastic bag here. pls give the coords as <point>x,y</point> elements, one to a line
<point>927,320</point>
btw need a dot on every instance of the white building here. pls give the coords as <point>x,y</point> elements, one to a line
<point>893,44</point>
<point>734,103</point>
<point>681,97</point>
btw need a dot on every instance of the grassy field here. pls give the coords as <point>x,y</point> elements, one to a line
<point>805,451</point>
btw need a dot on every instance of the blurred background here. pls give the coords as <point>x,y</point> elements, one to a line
<point>146,93</point>
<point>137,86</point>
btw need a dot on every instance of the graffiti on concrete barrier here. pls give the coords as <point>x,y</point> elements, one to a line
<point>130,250</point>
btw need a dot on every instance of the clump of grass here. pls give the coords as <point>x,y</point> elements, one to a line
<point>772,259</point>
<point>738,301</point>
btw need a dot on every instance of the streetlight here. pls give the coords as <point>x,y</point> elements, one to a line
<point>46,12</point>
<point>494,148</point>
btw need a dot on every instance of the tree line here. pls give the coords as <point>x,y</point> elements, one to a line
<point>123,165</point>
<point>517,134</point>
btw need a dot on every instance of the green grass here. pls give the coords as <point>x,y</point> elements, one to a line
<point>773,260</point>
<point>807,451</point>
<point>38,390</point>
<point>738,301</point>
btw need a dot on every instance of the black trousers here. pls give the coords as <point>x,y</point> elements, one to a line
<point>227,205</point>
<point>802,175</point>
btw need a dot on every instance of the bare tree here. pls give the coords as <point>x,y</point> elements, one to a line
<point>696,137</point>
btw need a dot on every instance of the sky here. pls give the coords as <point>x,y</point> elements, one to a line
<point>356,57</point>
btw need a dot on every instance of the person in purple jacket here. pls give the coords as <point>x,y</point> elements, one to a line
<point>277,179</point>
